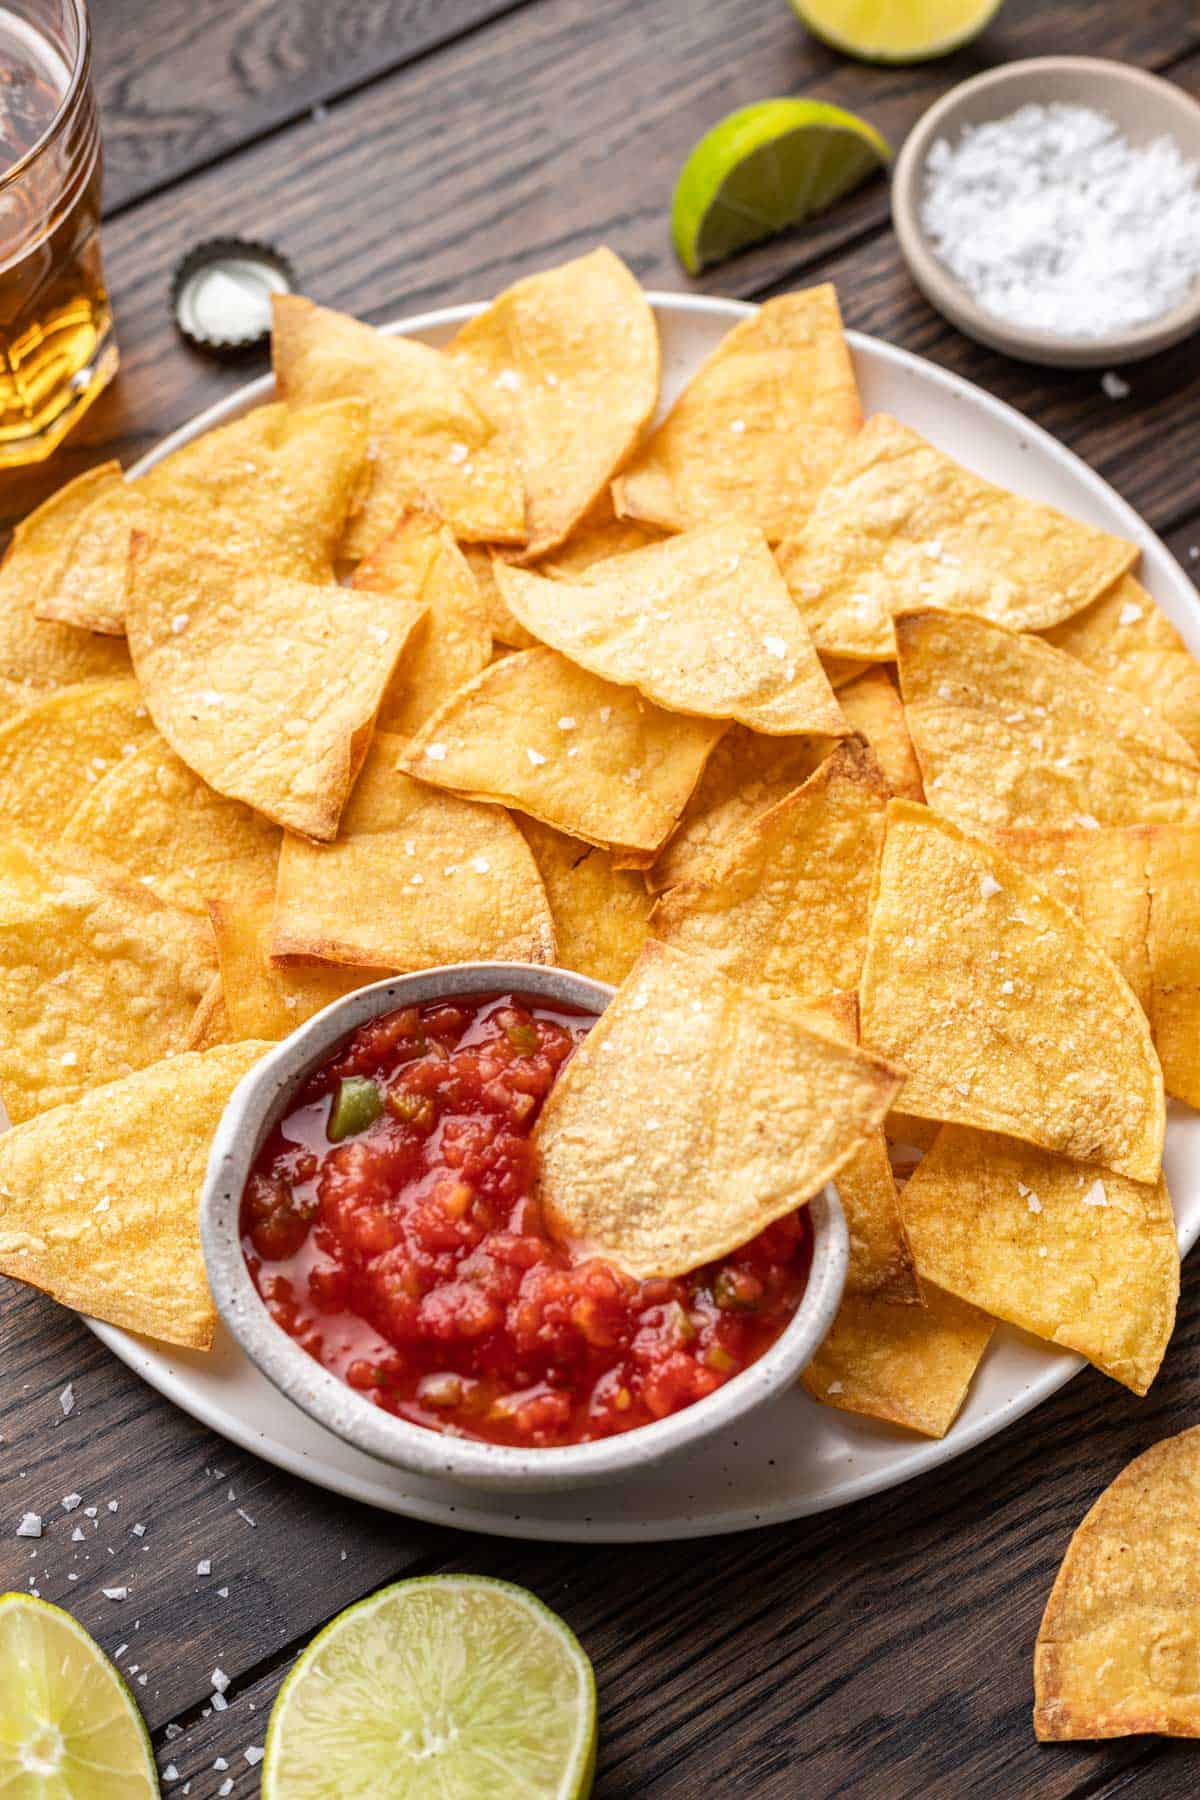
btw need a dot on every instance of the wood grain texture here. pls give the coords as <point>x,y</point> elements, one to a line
<point>181,85</point>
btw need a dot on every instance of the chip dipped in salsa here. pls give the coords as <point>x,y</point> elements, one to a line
<point>392,1227</point>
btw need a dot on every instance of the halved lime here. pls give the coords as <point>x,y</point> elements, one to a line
<point>896,30</point>
<point>69,1728</point>
<point>766,167</point>
<point>452,1686</point>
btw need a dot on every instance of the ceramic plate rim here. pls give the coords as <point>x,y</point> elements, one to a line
<point>914,1457</point>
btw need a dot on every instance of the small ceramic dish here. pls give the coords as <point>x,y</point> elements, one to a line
<point>1144,107</point>
<point>256,1106</point>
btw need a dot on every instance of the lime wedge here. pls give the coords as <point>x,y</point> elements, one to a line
<point>68,1723</point>
<point>452,1685</point>
<point>766,167</point>
<point>896,30</point>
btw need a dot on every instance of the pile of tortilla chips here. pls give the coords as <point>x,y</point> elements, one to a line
<point>874,790</point>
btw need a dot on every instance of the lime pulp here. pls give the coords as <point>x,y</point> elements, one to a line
<point>450,1685</point>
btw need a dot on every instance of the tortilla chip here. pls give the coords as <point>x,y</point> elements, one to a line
<point>1125,639</point>
<point>568,360</point>
<point>1010,731</point>
<point>1000,1007</point>
<point>1078,1256</point>
<point>535,732</point>
<point>600,913</point>
<point>268,688</point>
<point>97,978</point>
<point>907,1365</point>
<point>598,535</point>
<point>210,1022</point>
<point>504,628</point>
<point>1103,877</point>
<point>693,1115</point>
<point>275,487</point>
<point>1119,1643</point>
<point>783,907</point>
<point>1137,890</point>
<point>36,657</point>
<point>432,444</point>
<point>700,623</point>
<point>90,587</point>
<point>843,669</point>
<point>881,1261</point>
<point>421,563</point>
<point>63,745</point>
<point>165,825</point>
<point>265,998</point>
<point>872,707</point>
<point>758,430</point>
<point>100,1201</point>
<point>743,779</point>
<point>900,525</point>
<point>1174,949</point>
<point>416,878</point>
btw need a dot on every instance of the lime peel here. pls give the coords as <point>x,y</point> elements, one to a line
<point>458,1684</point>
<point>764,168</point>
<point>896,31</point>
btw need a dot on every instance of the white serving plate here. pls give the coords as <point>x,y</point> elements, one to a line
<point>794,1457</point>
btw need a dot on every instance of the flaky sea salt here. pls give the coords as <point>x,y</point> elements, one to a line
<point>1053,220</point>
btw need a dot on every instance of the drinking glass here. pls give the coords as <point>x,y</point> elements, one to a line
<point>57,349</point>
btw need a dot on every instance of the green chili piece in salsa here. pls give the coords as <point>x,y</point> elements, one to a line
<point>357,1104</point>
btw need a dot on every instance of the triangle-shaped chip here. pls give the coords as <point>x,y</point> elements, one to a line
<point>701,623</point>
<point>1115,1654</point>
<point>117,1236</point>
<point>267,687</point>
<point>1004,1013</point>
<point>1010,731</point>
<point>758,430</point>
<point>901,522</point>
<point>432,442</point>
<point>568,361</point>
<point>694,1114</point>
<point>1085,1259</point>
<point>783,906</point>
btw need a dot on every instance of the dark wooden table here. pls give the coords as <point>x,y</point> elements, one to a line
<point>408,153</point>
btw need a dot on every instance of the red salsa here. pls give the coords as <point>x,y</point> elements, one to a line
<point>391,1227</point>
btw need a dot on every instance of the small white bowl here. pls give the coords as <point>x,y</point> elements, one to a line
<point>1144,107</point>
<point>255,1107</point>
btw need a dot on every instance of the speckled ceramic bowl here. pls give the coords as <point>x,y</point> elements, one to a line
<point>255,1107</point>
<point>1144,107</point>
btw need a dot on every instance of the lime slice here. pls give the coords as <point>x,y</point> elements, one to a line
<point>766,167</point>
<point>68,1723</point>
<point>896,30</point>
<point>452,1685</point>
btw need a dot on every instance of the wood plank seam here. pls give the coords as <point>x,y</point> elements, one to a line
<point>303,109</point>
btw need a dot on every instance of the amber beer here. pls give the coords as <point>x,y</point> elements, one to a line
<point>57,349</point>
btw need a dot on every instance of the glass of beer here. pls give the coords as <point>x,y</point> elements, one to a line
<point>57,350</point>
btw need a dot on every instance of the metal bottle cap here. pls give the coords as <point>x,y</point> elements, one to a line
<point>221,293</point>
